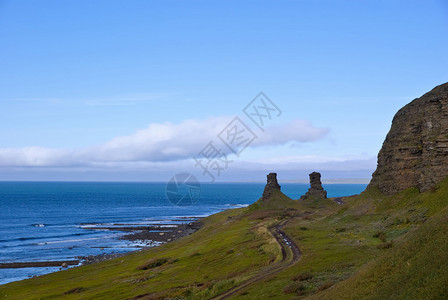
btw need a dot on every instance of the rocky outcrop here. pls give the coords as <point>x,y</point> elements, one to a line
<point>415,151</point>
<point>271,185</point>
<point>316,190</point>
<point>273,198</point>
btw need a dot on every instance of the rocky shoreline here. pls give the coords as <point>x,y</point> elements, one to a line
<point>162,233</point>
<point>146,236</point>
<point>39,264</point>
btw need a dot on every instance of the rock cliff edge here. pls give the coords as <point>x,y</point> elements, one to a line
<point>415,151</point>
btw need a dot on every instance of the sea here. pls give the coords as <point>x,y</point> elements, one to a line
<point>53,221</point>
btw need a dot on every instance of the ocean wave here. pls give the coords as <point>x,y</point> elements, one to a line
<point>196,216</point>
<point>21,239</point>
<point>41,225</point>
<point>143,244</point>
<point>70,241</point>
<point>237,205</point>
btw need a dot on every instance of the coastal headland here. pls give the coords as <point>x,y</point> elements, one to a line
<point>389,242</point>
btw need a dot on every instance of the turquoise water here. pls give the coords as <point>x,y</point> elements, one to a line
<point>42,221</point>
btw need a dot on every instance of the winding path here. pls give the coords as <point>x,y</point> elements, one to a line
<point>290,255</point>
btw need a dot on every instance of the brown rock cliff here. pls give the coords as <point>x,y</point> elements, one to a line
<point>415,151</point>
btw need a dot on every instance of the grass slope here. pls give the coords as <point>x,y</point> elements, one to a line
<point>372,247</point>
<point>340,242</point>
<point>416,268</point>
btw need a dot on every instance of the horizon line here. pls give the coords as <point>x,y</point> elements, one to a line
<point>301,181</point>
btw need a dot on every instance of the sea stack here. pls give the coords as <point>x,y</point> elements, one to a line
<point>316,191</point>
<point>271,185</point>
<point>415,151</point>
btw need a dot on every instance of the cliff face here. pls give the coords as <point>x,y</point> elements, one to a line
<point>415,151</point>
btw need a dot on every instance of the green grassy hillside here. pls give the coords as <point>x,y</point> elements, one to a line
<point>371,247</point>
<point>415,268</point>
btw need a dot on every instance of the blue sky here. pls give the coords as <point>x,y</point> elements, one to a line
<point>102,90</point>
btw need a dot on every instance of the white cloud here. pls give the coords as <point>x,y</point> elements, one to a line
<point>295,131</point>
<point>289,169</point>
<point>159,142</point>
<point>34,157</point>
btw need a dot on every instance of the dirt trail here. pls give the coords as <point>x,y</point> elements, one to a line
<point>288,247</point>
